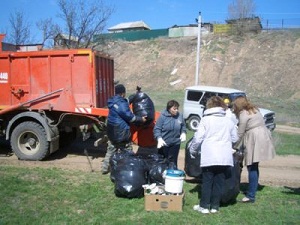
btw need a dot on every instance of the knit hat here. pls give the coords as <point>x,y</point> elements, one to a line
<point>120,89</point>
<point>226,101</point>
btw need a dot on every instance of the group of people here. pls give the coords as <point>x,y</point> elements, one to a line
<point>169,130</point>
<point>217,134</point>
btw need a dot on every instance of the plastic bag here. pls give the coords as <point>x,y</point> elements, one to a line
<point>231,188</point>
<point>157,164</point>
<point>192,165</point>
<point>142,105</point>
<point>129,177</point>
<point>113,162</point>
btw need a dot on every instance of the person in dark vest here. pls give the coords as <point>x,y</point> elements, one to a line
<point>118,125</point>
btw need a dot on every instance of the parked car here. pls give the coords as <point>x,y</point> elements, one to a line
<point>195,101</point>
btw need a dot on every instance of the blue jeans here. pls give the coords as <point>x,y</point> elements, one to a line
<point>253,176</point>
<point>213,179</point>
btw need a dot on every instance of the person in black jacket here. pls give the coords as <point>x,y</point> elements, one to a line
<point>118,125</point>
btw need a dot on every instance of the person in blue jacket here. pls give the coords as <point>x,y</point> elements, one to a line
<point>118,125</point>
<point>170,131</point>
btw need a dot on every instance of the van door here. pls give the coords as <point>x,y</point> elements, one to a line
<point>193,109</point>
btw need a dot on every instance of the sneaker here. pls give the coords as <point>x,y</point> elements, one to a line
<point>200,209</point>
<point>214,211</point>
<point>247,200</point>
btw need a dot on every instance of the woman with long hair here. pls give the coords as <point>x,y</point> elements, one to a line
<point>256,140</point>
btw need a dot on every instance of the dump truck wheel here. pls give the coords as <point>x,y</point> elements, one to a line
<point>193,123</point>
<point>29,141</point>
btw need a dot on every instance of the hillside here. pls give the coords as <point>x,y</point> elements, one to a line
<point>265,65</point>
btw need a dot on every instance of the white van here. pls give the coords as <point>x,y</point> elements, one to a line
<point>195,100</point>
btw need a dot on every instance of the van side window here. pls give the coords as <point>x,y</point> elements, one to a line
<point>194,96</point>
<point>206,96</point>
<point>224,96</point>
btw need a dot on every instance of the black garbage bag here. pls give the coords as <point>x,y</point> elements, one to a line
<point>192,165</point>
<point>113,162</point>
<point>231,189</point>
<point>130,176</point>
<point>142,105</point>
<point>157,164</point>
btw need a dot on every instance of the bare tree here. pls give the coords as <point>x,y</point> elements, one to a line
<point>240,9</point>
<point>83,19</point>
<point>241,17</point>
<point>20,28</point>
<point>48,28</point>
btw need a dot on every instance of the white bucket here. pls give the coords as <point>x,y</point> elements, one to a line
<point>174,181</point>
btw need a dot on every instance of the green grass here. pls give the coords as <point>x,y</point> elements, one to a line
<point>54,196</point>
<point>286,144</point>
<point>160,98</point>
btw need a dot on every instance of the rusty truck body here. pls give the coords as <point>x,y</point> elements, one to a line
<point>46,93</point>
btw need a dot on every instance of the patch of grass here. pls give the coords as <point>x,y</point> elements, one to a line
<point>286,144</point>
<point>54,196</point>
<point>161,98</point>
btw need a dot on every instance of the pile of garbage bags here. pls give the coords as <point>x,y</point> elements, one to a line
<point>129,172</point>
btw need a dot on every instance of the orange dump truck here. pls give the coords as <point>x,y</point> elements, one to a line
<point>44,94</point>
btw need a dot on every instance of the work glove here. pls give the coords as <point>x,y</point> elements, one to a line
<point>183,137</point>
<point>160,143</point>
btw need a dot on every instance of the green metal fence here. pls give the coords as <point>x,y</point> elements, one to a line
<point>133,35</point>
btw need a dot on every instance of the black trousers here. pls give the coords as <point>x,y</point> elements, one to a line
<point>171,153</point>
<point>213,179</point>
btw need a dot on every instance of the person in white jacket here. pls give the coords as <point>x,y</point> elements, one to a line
<point>216,134</point>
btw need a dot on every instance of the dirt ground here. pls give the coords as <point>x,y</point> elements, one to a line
<point>281,171</point>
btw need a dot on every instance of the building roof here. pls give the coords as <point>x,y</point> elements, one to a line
<point>129,25</point>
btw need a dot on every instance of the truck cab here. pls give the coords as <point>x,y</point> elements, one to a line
<point>195,101</point>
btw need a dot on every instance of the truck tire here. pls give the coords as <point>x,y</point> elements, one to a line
<point>29,141</point>
<point>193,123</point>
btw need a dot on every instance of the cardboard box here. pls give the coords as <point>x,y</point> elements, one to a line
<point>155,202</point>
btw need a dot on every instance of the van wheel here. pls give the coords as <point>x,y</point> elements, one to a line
<point>29,141</point>
<point>193,122</point>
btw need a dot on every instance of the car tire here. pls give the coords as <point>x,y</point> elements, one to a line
<point>193,123</point>
<point>29,141</point>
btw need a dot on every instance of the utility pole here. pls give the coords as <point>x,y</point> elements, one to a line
<point>198,50</point>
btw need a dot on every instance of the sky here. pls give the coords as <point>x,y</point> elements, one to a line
<point>157,14</point>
